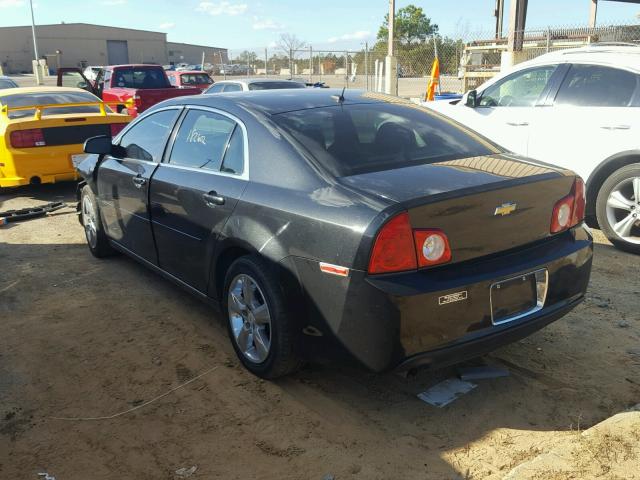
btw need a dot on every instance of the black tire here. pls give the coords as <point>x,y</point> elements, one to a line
<point>99,247</point>
<point>610,184</point>
<point>281,359</point>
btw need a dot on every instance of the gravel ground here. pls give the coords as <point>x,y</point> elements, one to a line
<point>85,338</point>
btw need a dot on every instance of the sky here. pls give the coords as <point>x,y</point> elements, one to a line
<point>324,24</point>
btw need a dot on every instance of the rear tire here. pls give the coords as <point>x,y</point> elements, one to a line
<point>93,229</point>
<point>618,208</point>
<point>259,326</point>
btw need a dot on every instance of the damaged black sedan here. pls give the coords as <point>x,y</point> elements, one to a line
<point>332,225</point>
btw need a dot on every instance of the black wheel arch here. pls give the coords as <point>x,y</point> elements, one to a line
<point>602,172</point>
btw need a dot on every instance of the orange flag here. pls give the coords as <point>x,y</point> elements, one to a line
<point>433,83</point>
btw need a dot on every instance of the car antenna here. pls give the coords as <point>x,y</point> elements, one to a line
<point>340,98</point>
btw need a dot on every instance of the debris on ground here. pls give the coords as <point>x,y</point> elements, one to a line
<point>445,392</point>
<point>46,476</point>
<point>482,372</point>
<point>185,472</point>
<point>30,212</point>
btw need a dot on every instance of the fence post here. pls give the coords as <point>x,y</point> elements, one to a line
<point>548,39</point>
<point>366,63</point>
<point>266,60</point>
<point>310,64</point>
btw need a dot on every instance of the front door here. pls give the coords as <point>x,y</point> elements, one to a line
<point>74,78</point>
<point>505,109</point>
<point>123,183</point>
<point>195,190</point>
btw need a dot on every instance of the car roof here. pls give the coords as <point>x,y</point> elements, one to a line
<point>258,79</point>
<point>625,56</point>
<point>285,100</point>
<point>27,90</point>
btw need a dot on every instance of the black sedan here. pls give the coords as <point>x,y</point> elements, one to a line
<point>331,225</point>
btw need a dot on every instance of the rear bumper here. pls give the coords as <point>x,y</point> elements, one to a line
<point>475,345</point>
<point>39,165</point>
<point>398,321</point>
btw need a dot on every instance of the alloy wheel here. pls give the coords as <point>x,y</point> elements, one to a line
<point>250,318</point>
<point>623,210</point>
<point>89,221</point>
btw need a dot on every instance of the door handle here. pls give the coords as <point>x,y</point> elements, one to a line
<point>139,181</point>
<point>212,199</point>
<point>616,127</point>
<point>518,124</point>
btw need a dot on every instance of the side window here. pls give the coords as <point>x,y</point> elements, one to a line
<point>234,156</point>
<point>172,80</point>
<point>217,88</point>
<point>521,89</point>
<point>596,86</point>
<point>201,141</point>
<point>232,87</point>
<point>147,138</point>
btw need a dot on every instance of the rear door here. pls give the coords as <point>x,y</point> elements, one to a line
<point>195,190</point>
<point>592,116</point>
<point>123,183</point>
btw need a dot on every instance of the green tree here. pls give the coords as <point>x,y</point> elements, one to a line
<point>411,26</point>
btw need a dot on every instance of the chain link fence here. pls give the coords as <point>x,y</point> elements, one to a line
<point>465,61</point>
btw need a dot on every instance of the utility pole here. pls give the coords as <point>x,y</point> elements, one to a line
<point>593,13</point>
<point>37,70</point>
<point>266,67</point>
<point>391,67</point>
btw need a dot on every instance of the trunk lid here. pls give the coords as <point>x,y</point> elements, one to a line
<point>484,205</point>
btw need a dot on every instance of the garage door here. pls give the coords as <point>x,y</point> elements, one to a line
<point>117,52</point>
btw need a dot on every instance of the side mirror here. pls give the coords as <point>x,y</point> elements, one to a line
<point>472,99</point>
<point>101,145</point>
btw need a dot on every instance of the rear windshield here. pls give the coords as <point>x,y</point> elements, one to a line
<point>355,139</point>
<point>196,79</point>
<point>6,83</point>
<point>274,85</point>
<point>49,98</point>
<point>140,77</point>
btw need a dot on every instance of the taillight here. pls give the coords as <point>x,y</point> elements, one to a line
<point>137,101</point>
<point>569,211</point>
<point>432,247</point>
<point>400,248</point>
<point>27,138</point>
<point>116,128</point>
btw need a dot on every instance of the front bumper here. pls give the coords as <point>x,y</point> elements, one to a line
<point>397,320</point>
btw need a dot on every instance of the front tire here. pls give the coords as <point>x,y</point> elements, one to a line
<point>259,326</point>
<point>93,229</point>
<point>618,208</point>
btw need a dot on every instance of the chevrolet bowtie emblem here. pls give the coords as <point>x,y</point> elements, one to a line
<point>505,209</point>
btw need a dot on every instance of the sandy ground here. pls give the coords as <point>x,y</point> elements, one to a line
<point>90,338</point>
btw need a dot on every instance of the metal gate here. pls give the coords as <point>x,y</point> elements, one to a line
<point>117,52</point>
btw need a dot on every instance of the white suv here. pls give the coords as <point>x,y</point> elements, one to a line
<point>579,109</point>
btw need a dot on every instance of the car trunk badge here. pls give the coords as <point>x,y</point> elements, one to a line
<point>505,209</point>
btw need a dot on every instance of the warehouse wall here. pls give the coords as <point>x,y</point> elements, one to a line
<point>88,43</point>
<point>188,53</point>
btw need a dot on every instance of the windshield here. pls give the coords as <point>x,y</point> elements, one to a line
<point>355,139</point>
<point>49,98</point>
<point>6,83</point>
<point>140,78</point>
<point>195,79</point>
<point>274,85</point>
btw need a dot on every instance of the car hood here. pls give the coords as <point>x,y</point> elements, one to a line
<point>441,178</point>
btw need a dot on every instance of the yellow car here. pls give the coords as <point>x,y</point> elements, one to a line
<point>42,131</point>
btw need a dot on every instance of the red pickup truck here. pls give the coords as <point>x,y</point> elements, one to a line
<point>129,89</point>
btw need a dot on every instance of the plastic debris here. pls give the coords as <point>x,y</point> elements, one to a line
<point>46,476</point>
<point>185,472</point>
<point>481,372</point>
<point>446,392</point>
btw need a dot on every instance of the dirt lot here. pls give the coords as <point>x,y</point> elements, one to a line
<point>87,338</point>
